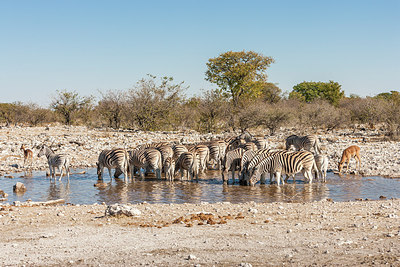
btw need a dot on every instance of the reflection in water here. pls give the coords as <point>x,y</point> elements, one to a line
<point>209,188</point>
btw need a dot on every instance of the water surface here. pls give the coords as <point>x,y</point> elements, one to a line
<point>81,190</point>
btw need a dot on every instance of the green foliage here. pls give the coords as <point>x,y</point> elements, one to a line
<point>67,104</point>
<point>391,96</point>
<point>239,74</point>
<point>310,91</point>
<point>111,106</point>
<point>153,106</point>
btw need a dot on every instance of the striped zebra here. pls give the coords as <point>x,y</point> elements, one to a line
<point>143,159</point>
<point>231,161</point>
<point>189,162</point>
<point>260,156</point>
<point>166,152</point>
<point>217,152</point>
<point>248,156</point>
<point>260,142</point>
<point>152,145</point>
<point>249,146</point>
<point>55,160</point>
<point>178,150</point>
<point>307,142</point>
<point>321,162</point>
<point>169,168</point>
<point>204,154</point>
<point>116,158</point>
<point>285,163</point>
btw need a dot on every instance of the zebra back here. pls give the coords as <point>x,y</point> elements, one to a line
<point>178,150</point>
<point>307,142</point>
<point>231,156</point>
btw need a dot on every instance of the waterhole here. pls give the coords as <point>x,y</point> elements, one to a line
<point>81,190</point>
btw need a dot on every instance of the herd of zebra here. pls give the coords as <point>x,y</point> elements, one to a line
<point>250,156</point>
<point>244,153</point>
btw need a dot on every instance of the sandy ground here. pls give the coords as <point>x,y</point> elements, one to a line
<point>222,234</point>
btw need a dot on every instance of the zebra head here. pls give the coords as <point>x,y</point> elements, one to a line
<point>254,177</point>
<point>42,151</point>
<point>99,174</point>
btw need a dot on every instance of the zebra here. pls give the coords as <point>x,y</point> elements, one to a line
<point>204,155</point>
<point>166,152</point>
<point>178,150</point>
<point>321,162</point>
<point>289,163</point>
<point>249,146</point>
<point>231,160</point>
<point>307,142</point>
<point>143,159</point>
<point>113,158</point>
<point>55,160</point>
<point>247,157</point>
<point>189,162</point>
<point>169,168</point>
<point>217,152</point>
<point>260,156</point>
<point>260,142</point>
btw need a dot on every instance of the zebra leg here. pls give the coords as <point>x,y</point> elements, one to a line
<point>262,180</point>
<point>109,172</point>
<point>278,178</point>
<point>60,169</point>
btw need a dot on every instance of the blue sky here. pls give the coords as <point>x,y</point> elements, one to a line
<point>89,46</point>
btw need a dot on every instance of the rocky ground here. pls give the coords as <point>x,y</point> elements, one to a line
<point>222,234</point>
<point>379,157</point>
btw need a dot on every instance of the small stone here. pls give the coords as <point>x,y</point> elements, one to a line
<point>252,210</point>
<point>122,209</point>
<point>19,187</point>
<point>289,231</point>
<point>191,257</point>
<point>245,264</point>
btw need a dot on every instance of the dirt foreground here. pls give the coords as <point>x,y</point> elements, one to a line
<point>221,234</point>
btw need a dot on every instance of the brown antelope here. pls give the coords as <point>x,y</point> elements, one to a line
<point>28,154</point>
<point>348,153</point>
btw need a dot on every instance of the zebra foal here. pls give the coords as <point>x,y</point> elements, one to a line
<point>112,158</point>
<point>54,160</point>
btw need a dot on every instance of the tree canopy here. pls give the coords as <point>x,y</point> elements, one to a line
<point>310,91</point>
<point>239,74</point>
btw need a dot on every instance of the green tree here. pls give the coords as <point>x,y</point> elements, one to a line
<point>239,74</point>
<point>310,91</point>
<point>68,104</point>
<point>155,106</point>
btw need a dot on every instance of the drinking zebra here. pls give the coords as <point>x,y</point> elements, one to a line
<point>189,162</point>
<point>55,160</point>
<point>260,156</point>
<point>289,163</point>
<point>321,162</point>
<point>231,161</point>
<point>143,159</point>
<point>204,154</point>
<point>169,168</point>
<point>116,158</point>
<point>217,152</point>
<point>166,152</point>
<point>178,150</point>
<point>307,142</point>
<point>250,156</point>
